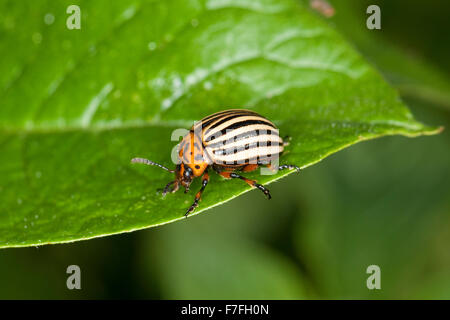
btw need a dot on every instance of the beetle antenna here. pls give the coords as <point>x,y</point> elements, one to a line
<point>150,163</point>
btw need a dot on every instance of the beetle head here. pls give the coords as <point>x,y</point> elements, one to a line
<point>185,175</point>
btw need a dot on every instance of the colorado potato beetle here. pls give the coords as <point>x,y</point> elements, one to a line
<point>226,142</point>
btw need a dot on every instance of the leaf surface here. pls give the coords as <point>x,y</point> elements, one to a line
<point>77,105</point>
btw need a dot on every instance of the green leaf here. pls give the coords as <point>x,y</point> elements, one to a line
<point>77,105</point>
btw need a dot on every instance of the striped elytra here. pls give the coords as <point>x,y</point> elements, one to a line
<point>230,141</point>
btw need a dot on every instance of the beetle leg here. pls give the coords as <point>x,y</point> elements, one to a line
<point>252,183</point>
<point>167,187</point>
<point>205,180</point>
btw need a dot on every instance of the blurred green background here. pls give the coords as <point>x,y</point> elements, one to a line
<point>384,202</point>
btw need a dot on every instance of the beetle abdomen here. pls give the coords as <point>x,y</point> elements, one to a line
<point>239,137</point>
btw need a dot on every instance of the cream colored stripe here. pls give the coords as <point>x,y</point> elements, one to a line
<point>215,116</point>
<point>229,123</point>
<point>221,115</point>
<point>263,139</point>
<point>248,154</point>
<point>232,133</point>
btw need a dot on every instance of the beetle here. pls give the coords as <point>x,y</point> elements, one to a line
<point>228,142</point>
